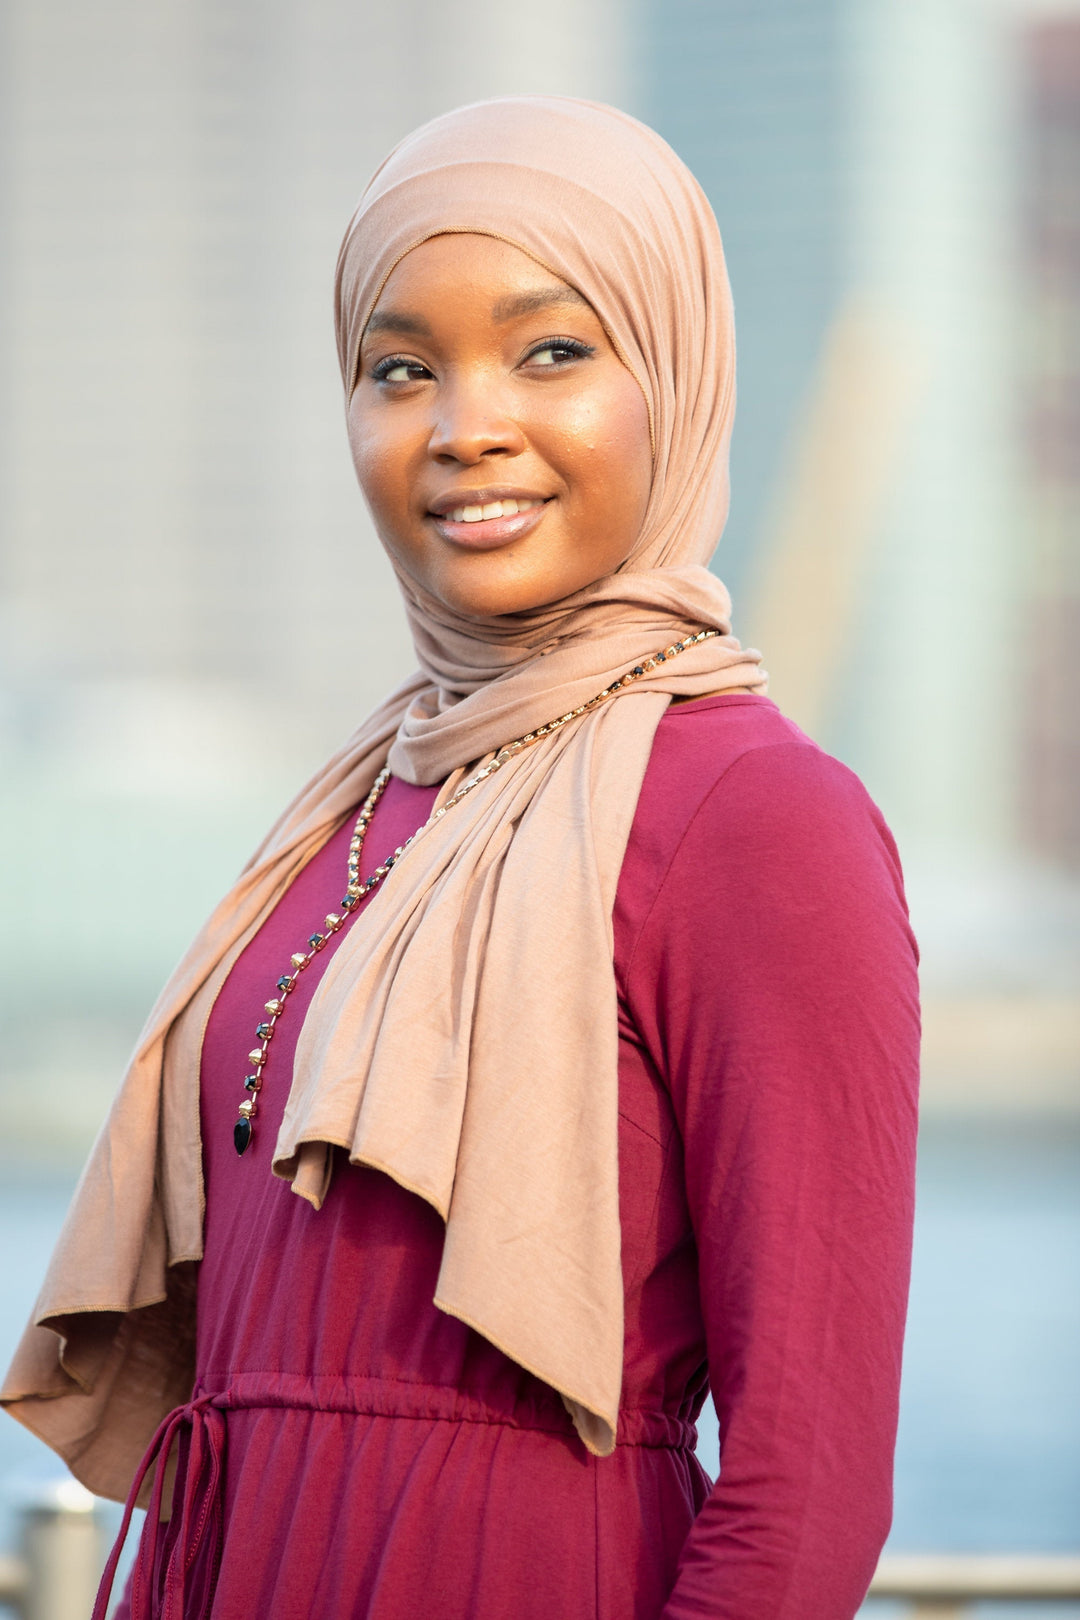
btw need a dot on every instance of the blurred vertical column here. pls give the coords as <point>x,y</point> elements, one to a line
<point>930,713</point>
<point>1050,793</point>
<point>64,1549</point>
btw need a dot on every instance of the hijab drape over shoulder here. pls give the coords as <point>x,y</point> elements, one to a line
<point>464,1037</point>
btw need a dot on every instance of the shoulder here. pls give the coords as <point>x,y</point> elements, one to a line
<point>736,764</point>
<point>738,807</point>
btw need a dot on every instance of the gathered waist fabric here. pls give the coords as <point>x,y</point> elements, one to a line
<point>433,1403</point>
<point>190,1549</point>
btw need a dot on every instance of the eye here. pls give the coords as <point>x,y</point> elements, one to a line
<point>397,369</point>
<point>558,352</point>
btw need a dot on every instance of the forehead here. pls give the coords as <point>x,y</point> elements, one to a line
<point>495,275</point>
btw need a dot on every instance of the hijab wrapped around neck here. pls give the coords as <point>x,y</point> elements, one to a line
<point>464,1037</point>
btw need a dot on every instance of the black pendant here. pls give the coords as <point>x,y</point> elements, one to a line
<point>242,1135</point>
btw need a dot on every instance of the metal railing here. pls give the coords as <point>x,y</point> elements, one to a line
<point>941,1586</point>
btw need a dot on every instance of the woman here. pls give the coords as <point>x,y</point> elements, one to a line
<point>582,998</point>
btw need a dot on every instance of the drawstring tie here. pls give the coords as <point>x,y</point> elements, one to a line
<point>159,1579</point>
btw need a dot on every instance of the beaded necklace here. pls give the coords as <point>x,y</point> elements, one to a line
<point>356,890</point>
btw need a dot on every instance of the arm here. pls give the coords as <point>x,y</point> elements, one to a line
<point>779,972</point>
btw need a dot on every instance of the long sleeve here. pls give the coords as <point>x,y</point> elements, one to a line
<point>775,983</point>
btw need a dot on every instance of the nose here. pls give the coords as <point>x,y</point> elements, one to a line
<point>471,422</point>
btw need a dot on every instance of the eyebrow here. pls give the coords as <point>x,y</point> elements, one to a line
<point>509,309</point>
<point>506,309</point>
<point>396,320</point>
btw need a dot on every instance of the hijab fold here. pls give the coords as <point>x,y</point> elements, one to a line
<point>463,1038</point>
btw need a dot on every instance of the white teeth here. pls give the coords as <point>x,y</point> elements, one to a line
<point>494,509</point>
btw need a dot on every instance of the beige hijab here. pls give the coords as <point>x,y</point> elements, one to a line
<point>464,1036</point>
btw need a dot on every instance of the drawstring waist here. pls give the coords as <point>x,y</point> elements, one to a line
<point>176,1570</point>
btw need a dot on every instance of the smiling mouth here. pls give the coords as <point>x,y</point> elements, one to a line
<point>490,524</point>
<point>492,509</point>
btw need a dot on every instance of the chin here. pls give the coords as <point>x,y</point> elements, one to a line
<point>493,584</point>
<point>480,593</point>
<point>492,604</point>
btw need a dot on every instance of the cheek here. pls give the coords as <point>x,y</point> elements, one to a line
<point>361,443</point>
<point>379,458</point>
<point>614,450</point>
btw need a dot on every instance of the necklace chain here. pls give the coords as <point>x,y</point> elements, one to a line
<point>357,889</point>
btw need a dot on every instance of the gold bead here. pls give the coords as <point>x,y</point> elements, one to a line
<point>332,920</point>
<point>274,1006</point>
<point>298,959</point>
<point>247,1109</point>
<point>257,1055</point>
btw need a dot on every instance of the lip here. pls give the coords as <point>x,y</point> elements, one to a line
<point>490,533</point>
<point>444,504</point>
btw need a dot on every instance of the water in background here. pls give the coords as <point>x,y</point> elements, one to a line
<point>989,1451</point>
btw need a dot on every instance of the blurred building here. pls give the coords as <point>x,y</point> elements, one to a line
<point>947,657</point>
<point>752,97</point>
<point>897,185</point>
<point>193,608</point>
<point>177,501</point>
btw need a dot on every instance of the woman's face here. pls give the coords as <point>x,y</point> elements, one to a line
<point>501,443</point>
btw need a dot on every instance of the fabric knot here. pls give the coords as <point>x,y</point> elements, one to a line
<point>164,1566</point>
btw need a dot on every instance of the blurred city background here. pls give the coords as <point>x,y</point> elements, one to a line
<point>193,610</point>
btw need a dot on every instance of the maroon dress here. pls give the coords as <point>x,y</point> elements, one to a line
<point>372,1458</point>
